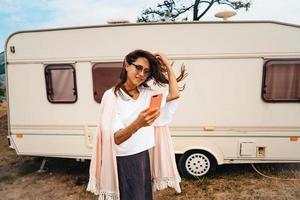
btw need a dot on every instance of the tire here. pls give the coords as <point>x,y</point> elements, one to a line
<point>197,163</point>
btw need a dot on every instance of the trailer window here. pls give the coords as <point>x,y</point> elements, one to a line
<point>61,83</point>
<point>105,75</point>
<point>281,81</point>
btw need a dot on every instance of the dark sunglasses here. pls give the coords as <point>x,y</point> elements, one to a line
<point>140,68</point>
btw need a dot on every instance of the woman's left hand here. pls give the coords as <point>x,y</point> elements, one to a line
<point>173,86</point>
<point>163,58</point>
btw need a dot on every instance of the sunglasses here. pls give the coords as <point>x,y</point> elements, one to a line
<point>140,68</point>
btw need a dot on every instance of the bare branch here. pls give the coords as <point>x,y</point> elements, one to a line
<point>205,11</point>
<point>171,9</point>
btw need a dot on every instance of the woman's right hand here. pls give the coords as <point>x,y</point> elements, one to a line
<point>147,117</point>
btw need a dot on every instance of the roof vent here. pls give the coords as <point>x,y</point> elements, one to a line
<point>225,14</point>
<point>118,21</point>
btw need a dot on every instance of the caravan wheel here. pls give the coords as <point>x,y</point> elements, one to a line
<point>197,163</point>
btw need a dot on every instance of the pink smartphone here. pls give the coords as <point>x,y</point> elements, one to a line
<point>155,101</point>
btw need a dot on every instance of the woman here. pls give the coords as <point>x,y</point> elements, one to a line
<point>132,132</point>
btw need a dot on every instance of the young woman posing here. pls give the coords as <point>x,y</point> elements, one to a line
<point>136,128</point>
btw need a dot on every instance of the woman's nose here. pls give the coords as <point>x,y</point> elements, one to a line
<point>142,72</point>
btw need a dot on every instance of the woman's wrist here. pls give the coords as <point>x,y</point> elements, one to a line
<point>135,125</point>
<point>167,63</point>
<point>170,71</point>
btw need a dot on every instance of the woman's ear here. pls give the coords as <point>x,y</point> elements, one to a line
<point>126,65</point>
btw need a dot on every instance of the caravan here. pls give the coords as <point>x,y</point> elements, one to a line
<point>240,103</point>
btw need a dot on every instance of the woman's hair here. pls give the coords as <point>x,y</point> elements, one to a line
<point>158,72</point>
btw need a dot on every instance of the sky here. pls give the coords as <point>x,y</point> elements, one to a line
<point>16,15</point>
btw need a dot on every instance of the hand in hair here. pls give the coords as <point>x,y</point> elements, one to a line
<point>173,85</point>
<point>163,59</point>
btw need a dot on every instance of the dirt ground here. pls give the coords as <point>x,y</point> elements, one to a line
<point>67,179</point>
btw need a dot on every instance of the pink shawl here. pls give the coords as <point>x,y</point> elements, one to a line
<point>103,168</point>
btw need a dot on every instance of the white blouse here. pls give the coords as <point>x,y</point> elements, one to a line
<point>128,110</point>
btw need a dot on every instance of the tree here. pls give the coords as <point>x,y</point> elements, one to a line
<point>172,9</point>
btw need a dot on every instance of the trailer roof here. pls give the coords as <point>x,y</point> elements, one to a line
<point>243,39</point>
<point>153,23</point>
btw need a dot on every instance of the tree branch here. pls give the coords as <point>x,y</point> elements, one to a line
<point>205,11</point>
<point>181,11</point>
<point>170,9</point>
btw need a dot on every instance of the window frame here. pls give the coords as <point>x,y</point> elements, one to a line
<point>92,71</point>
<point>57,66</point>
<point>263,89</point>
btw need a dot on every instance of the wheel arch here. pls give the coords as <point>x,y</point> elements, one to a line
<point>211,149</point>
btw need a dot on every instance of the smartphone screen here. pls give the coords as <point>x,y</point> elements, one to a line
<point>155,101</point>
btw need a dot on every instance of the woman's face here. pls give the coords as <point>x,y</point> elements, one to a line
<point>138,71</point>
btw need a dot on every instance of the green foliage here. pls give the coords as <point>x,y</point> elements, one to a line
<point>2,69</point>
<point>2,77</point>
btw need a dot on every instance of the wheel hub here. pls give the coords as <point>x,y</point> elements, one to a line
<point>197,164</point>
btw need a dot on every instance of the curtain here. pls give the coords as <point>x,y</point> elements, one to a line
<point>282,80</point>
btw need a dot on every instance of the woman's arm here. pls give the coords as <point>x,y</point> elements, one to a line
<point>145,118</point>
<point>173,86</point>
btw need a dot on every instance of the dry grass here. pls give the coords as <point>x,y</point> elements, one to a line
<point>67,179</point>
<point>241,182</point>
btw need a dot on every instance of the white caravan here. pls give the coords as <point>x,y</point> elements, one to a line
<point>240,103</point>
